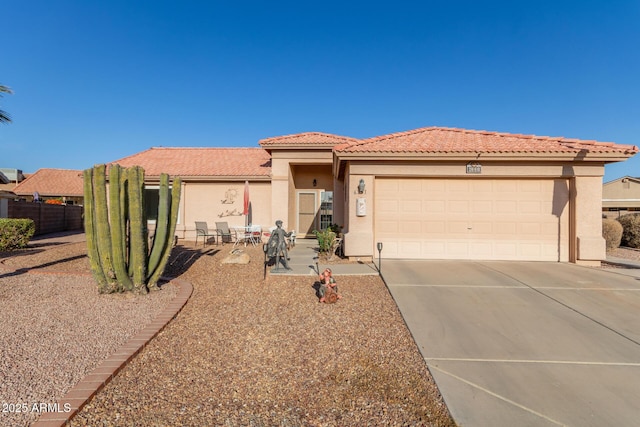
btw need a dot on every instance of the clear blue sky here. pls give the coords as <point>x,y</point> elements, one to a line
<point>95,81</point>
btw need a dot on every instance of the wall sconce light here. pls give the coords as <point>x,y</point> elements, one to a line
<point>361,187</point>
<point>315,183</point>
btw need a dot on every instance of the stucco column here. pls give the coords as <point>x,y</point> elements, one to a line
<point>358,241</point>
<point>280,201</point>
<point>590,245</point>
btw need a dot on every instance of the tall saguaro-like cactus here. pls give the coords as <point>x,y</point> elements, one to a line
<point>117,237</point>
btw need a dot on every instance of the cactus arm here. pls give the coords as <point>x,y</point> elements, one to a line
<point>162,225</point>
<point>118,235</point>
<point>173,220</point>
<point>137,229</point>
<point>90,232</point>
<point>103,231</point>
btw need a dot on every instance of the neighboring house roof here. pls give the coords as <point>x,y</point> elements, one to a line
<point>201,162</point>
<point>52,182</point>
<point>623,178</point>
<point>3,178</point>
<point>440,140</point>
<point>306,139</point>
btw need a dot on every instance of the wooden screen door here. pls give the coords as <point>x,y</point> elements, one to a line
<point>306,213</point>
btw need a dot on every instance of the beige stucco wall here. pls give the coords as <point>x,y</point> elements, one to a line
<point>618,194</point>
<point>220,202</point>
<point>292,171</point>
<point>587,220</point>
<point>358,237</point>
<point>586,244</point>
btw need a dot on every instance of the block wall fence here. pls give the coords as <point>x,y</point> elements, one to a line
<point>48,218</point>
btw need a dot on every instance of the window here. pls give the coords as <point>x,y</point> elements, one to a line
<point>151,199</point>
<point>326,209</point>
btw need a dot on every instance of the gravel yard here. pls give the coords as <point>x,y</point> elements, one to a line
<point>241,352</point>
<point>56,327</point>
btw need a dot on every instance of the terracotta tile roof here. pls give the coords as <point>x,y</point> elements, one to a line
<point>52,182</point>
<point>307,138</point>
<point>178,161</point>
<point>451,140</point>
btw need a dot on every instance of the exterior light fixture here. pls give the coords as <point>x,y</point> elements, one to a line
<point>361,187</point>
<point>379,245</point>
<point>315,182</point>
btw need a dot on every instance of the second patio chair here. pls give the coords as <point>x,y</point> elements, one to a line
<point>225,234</point>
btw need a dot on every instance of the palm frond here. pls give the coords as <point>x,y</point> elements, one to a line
<point>4,117</point>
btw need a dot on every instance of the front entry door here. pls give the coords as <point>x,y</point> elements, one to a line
<point>306,213</point>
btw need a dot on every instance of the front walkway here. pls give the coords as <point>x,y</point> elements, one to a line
<point>303,258</point>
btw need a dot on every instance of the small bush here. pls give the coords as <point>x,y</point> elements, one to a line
<point>630,230</point>
<point>325,239</point>
<point>15,233</point>
<point>612,233</point>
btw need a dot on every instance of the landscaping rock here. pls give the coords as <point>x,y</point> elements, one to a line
<point>237,256</point>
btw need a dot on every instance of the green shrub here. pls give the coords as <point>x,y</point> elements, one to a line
<point>15,233</point>
<point>325,239</point>
<point>612,233</point>
<point>630,230</point>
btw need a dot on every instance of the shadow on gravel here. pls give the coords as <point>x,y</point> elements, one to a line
<point>45,244</point>
<point>20,252</point>
<point>45,265</point>
<point>182,258</point>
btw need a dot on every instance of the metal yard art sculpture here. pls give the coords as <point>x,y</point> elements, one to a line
<point>117,235</point>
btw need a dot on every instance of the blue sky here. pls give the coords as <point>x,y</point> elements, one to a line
<point>95,81</point>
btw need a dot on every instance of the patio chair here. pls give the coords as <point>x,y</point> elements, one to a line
<point>225,234</point>
<point>202,229</point>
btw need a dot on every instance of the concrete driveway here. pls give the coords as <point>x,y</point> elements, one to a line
<point>525,343</point>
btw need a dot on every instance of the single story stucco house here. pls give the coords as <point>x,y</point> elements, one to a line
<point>429,193</point>
<point>621,196</point>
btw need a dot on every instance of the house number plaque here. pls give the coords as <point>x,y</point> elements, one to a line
<point>474,167</point>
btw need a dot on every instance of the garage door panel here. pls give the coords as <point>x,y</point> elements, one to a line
<point>410,227</point>
<point>457,185</point>
<point>505,219</point>
<point>479,227</point>
<point>458,206</point>
<point>457,227</point>
<point>386,206</point>
<point>433,227</point>
<point>482,206</point>
<point>408,207</point>
<point>529,229</point>
<point>508,207</point>
<point>433,206</point>
<point>530,207</point>
<point>411,185</point>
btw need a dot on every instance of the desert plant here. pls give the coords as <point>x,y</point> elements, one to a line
<point>612,233</point>
<point>336,229</point>
<point>325,238</point>
<point>630,230</point>
<point>116,231</point>
<point>15,233</point>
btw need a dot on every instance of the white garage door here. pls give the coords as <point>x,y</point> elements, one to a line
<point>483,219</point>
